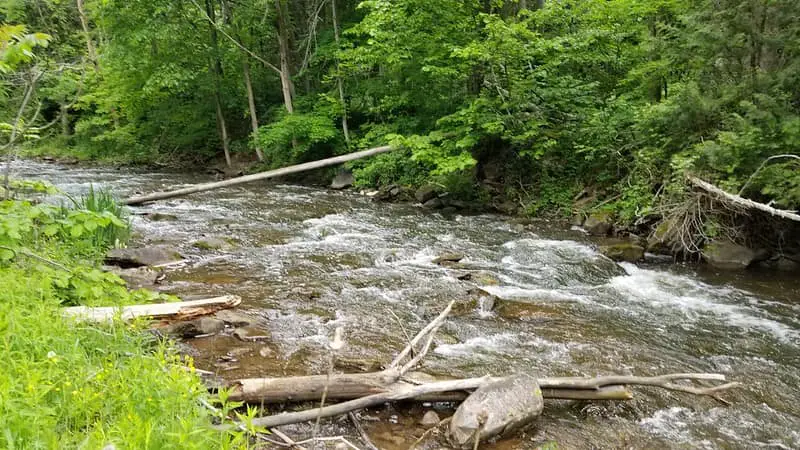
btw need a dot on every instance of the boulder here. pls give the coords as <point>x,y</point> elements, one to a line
<point>727,255</point>
<point>426,193</point>
<point>234,318</point>
<point>434,203</point>
<point>495,409</point>
<point>626,251</point>
<point>599,223</point>
<point>578,219</point>
<point>343,180</point>
<point>145,256</point>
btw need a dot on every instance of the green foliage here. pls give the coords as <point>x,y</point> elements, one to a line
<point>83,385</point>
<point>16,46</point>
<point>297,138</point>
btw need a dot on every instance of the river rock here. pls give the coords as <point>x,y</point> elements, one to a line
<point>144,256</point>
<point>197,327</point>
<point>430,419</point>
<point>213,243</point>
<point>578,219</point>
<point>425,193</point>
<point>135,277</point>
<point>250,334</point>
<point>479,277</point>
<point>234,318</point>
<point>476,300</point>
<point>343,180</point>
<point>727,255</point>
<point>434,203</point>
<point>523,311</point>
<point>599,223</point>
<point>497,408</point>
<point>389,193</point>
<point>448,258</point>
<point>625,251</point>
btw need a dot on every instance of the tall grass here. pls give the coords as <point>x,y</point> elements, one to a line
<point>103,201</point>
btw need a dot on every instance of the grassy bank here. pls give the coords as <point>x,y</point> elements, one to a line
<point>66,384</point>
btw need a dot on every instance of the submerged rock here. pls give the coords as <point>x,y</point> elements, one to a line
<point>727,255</point>
<point>625,251</point>
<point>476,300</point>
<point>213,243</point>
<point>197,327</point>
<point>161,217</point>
<point>448,258</point>
<point>144,256</point>
<point>343,180</point>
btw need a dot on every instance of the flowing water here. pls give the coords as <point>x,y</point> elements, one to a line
<point>309,260</point>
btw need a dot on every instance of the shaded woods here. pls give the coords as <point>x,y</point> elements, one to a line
<point>530,101</point>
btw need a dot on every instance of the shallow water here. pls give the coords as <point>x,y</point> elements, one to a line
<point>309,260</point>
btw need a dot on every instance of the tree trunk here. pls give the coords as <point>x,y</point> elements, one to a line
<point>252,104</point>
<point>339,83</point>
<point>90,50</point>
<point>257,176</point>
<point>65,120</point>
<point>283,48</point>
<point>216,70</point>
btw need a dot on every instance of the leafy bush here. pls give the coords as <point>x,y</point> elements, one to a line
<point>103,202</point>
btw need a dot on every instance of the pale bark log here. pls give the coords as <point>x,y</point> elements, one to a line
<point>256,176</point>
<point>172,311</point>
<point>741,202</point>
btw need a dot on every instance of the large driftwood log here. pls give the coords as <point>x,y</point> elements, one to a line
<point>257,176</point>
<point>396,383</point>
<point>172,311</point>
<point>741,201</point>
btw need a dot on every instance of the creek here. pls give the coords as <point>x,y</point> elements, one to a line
<point>308,260</point>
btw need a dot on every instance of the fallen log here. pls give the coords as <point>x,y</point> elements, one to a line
<point>396,383</point>
<point>742,202</point>
<point>172,311</point>
<point>352,386</point>
<point>138,200</point>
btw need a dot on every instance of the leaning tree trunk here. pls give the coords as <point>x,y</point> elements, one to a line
<point>251,103</point>
<point>339,82</point>
<point>216,70</point>
<point>283,48</point>
<point>90,49</point>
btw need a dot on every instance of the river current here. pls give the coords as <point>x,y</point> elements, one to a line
<point>309,260</point>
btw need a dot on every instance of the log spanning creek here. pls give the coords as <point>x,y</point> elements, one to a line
<point>306,261</point>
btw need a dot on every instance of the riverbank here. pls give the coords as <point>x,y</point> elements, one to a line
<point>70,384</point>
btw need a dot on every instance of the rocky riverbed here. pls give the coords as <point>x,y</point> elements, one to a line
<point>531,297</point>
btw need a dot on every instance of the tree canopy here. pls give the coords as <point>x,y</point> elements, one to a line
<point>542,99</point>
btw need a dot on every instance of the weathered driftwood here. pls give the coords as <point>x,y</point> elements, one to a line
<point>397,383</point>
<point>257,176</point>
<point>172,311</point>
<point>742,202</point>
<point>497,408</point>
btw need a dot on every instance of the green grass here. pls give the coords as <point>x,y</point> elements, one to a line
<point>66,384</point>
<point>103,201</point>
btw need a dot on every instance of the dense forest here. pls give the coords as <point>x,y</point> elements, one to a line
<point>536,99</point>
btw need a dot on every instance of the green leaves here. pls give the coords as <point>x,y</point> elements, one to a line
<point>16,46</point>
